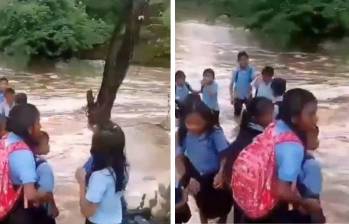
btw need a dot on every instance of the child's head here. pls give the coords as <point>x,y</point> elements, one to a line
<point>108,152</point>
<point>312,137</point>
<point>180,78</point>
<point>259,111</point>
<point>243,59</point>
<point>198,118</point>
<point>267,74</point>
<point>299,111</point>
<point>278,86</point>
<point>43,144</point>
<point>10,96</point>
<point>21,98</point>
<point>208,75</point>
<point>3,84</point>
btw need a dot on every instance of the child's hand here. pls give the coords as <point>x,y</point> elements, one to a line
<point>80,175</point>
<point>203,82</point>
<point>194,186</point>
<point>55,212</point>
<point>218,181</point>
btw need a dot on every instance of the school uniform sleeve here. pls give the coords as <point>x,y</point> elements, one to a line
<point>220,140</point>
<point>289,158</point>
<point>45,178</point>
<point>88,165</point>
<point>97,186</point>
<point>312,176</point>
<point>22,166</point>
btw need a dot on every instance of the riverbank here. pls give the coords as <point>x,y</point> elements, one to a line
<point>200,45</point>
<point>141,109</point>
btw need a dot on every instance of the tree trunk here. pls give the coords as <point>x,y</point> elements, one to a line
<point>116,63</point>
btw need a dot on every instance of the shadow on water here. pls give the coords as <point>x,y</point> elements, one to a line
<point>326,74</point>
<point>59,91</point>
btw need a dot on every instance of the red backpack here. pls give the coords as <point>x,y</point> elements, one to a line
<point>8,193</point>
<point>254,173</point>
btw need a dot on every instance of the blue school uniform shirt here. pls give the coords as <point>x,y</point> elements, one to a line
<point>289,156</point>
<point>182,92</point>
<point>203,151</point>
<point>242,79</point>
<point>22,164</point>
<point>2,97</point>
<point>45,176</point>
<point>210,96</point>
<point>311,177</point>
<point>101,191</point>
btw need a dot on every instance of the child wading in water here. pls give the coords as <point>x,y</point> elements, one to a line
<point>101,192</point>
<point>257,116</point>
<point>240,86</point>
<point>45,181</point>
<point>209,89</point>
<point>263,85</point>
<point>183,89</point>
<point>8,103</point>
<point>200,165</point>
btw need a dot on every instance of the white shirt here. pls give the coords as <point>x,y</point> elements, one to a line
<point>5,108</point>
<point>264,90</point>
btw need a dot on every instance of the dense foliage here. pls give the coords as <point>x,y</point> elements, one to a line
<point>51,28</point>
<point>290,21</point>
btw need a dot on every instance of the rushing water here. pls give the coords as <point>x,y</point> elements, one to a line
<point>199,46</point>
<point>141,105</point>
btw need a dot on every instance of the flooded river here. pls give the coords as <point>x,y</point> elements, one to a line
<point>140,108</point>
<point>199,46</point>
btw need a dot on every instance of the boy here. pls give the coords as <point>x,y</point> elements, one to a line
<point>45,181</point>
<point>209,89</point>
<point>278,86</point>
<point>240,86</point>
<point>3,87</point>
<point>8,103</point>
<point>21,98</point>
<point>183,89</point>
<point>310,180</point>
<point>263,85</point>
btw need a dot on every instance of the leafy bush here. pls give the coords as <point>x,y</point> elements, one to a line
<point>292,21</point>
<point>50,28</point>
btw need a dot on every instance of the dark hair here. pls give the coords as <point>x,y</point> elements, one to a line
<point>209,71</point>
<point>21,98</point>
<point>108,151</point>
<point>196,106</point>
<point>268,70</point>
<point>9,91</point>
<point>242,54</point>
<point>278,86</point>
<point>3,79</point>
<point>179,74</point>
<point>21,118</point>
<point>256,107</point>
<point>292,106</point>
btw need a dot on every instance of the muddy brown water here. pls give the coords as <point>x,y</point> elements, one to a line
<point>140,108</point>
<point>326,74</point>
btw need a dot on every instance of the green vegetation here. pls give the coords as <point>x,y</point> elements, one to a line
<point>291,22</point>
<point>64,28</point>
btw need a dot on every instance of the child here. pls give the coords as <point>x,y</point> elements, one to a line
<point>263,85</point>
<point>21,98</point>
<point>310,179</point>
<point>8,103</point>
<point>45,176</point>
<point>240,86</point>
<point>200,165</point>
<point>183,89</point>
<point>101,191</point>
<point>278,86</point>
<point>257,116</point>
<point>209,89</point>
<point>3,87</point>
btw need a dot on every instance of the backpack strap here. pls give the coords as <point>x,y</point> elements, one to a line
<point>236,76</point>
<point>39,161</point>
<point>288,137</point>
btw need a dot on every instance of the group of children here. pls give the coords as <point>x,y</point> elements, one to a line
<point>204,158</point>
<point>27,179</point>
